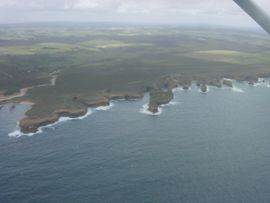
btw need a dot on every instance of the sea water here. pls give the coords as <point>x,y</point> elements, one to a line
<point>204,147</point>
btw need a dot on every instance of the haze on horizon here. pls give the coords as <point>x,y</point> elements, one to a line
<point>186,12</point>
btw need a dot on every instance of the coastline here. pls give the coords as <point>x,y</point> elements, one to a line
<point>18,132</point>
<point>34,126</point>
<point>30,126</point>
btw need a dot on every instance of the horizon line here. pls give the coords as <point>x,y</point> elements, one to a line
<point>131,23</point>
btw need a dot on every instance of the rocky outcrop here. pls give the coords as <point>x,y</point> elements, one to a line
<point>227,82</point>
<point>103,101</point>
<point>125,96</point>
<point>153,108</point>
<point>159,97</point>
<point>186,86</point>
<point>215,83</point>
<point>203,88</point>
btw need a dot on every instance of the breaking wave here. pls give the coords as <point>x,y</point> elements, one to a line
<point>208,90</point>
<point>144,110</point>
<point>17,133</point>
<point>171,103</point>
<point>261,80</point>
<point>105,108</point>
<point>237,89</point>
<point>262,83</point>
<point>177,89</point>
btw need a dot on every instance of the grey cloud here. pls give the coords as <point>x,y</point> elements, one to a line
<point>223,12</point>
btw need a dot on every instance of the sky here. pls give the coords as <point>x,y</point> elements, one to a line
<point>195,12</point>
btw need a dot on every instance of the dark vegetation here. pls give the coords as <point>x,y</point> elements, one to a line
<point>96,64</point>
<point>159,97</point>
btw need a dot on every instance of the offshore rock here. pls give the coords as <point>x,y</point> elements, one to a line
<point>204,88</point>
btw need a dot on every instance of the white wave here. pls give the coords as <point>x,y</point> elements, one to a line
<point>18,133</point>
<point>268,85</point>
<point>207,90</point>
<point>65,119</point>
<point>171,103</point>
<point>145,110</point>
<point>89,112</point>
<point>177,89</point>
<point>204,92</point>
<point>261,80</point>
<point>229,79</point>
<point>15,133</point>
<point>261,83</point>
<point>105,108</point>
<point>237,89</point>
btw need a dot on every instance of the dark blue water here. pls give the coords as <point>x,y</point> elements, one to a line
<point>212,147</point>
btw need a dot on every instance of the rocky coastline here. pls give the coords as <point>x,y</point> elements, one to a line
<point>31,125</point>
<point>161,93</point>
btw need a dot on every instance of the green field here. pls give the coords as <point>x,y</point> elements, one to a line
<point>93,62</point>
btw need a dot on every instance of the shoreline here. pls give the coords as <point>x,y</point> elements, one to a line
<point>31,127</point>
<point>18,132</point>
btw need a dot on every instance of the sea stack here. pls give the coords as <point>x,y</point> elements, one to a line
<point>203,88</point>
<point>256,13</point>
<point>186,86</point>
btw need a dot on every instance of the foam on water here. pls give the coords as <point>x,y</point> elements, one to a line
<point>171,103</point>
<point>18,133</point>
<point>229,79</point>
<point>237,89</point>
<point>260,80</point>
<point>262,83</point>
<point>145,110</point>
<point>65,119</point>
<point>208,90</point>
<point>105,108</point>
<point>177,89</point>
<point>257,84</point>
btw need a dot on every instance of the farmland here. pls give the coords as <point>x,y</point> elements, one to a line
<point>94,64</point>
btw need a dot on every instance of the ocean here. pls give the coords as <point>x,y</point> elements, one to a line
<point>203,147</point>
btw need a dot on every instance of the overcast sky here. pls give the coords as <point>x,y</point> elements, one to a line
<point>215,12</point>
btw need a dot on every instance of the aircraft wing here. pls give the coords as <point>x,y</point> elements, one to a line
<point>255,12</point>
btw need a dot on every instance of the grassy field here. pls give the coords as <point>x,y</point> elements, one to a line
<point>235,57</point>
<point>97,61</point>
